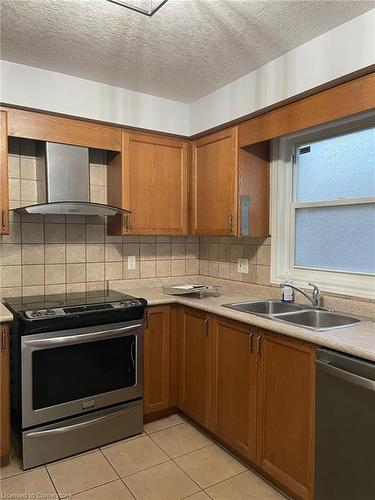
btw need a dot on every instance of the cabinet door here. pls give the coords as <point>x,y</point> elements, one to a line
<point>286,412</point>
<point>234,385</point>
<point>4,189</point>
<point>214,183</point>
<point>155,184</point>
<point>195,365</point>
<point>156,359</point>
<point>4,396</point>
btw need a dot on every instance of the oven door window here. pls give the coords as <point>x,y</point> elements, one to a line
<point>78,371</point>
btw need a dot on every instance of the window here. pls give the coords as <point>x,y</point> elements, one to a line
<point>323,207</point>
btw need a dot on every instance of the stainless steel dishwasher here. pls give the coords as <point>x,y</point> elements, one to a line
<point>345,427</point>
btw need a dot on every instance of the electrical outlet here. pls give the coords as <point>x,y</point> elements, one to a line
<point>131,262</point>
<point>243,266</point>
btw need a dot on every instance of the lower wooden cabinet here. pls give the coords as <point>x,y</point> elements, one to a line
<point>4,396</point>
<point>195,364</point>
<point>286,412</point>
<point>234,385</point>
<point>156,359</point>
<point>253,389</point>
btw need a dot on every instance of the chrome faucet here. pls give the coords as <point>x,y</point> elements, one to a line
<point>315,299</point>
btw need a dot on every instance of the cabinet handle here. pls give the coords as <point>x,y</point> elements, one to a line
<point>3,341</point>
<point>230,223</point>
<point>251,342</point>
<point>126,222</point>
<point>129,222</point>
<point>3,218</point>
<point>206,327</point>
<point>259,346</point>
<point>147,320</point>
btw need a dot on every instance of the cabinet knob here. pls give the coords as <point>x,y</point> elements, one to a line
<point>3,218</point>
<point>259,345</point>
<point>206,327</point>
<point>230,223</point>
<point>3,340</point>
<point>251,342</point>
<point>147,320</point>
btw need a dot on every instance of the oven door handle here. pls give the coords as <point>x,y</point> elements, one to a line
<point>84,337</point>
<point>68,428</point>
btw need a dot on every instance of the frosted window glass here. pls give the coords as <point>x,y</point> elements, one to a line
<point>339,238</point>
<point>338,167</point>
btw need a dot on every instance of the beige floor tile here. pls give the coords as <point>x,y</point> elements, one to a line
<point>123,440</point>
<point>210,465</point>
<point>163,423</point>
<point>162,482</point>
<point>13,468</point>
<point>135,455</point>
<point>78,474</point>
<point>34,482</point>
<point>180,439</point>
<point>199,496</point>
<point>115,491</point>
<point>245,486</point>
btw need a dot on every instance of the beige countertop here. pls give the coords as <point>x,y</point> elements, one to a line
<point>5,314</point>
<point>358,340</point>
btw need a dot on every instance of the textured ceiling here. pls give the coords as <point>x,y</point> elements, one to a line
<point>186,50</point>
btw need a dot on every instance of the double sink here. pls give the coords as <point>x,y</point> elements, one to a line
<point>304,316</point>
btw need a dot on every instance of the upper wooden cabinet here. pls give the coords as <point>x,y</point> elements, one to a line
<point>151,180</point>
<point>234,385</point>
<point>4,183</point>
<point>230,186</point>
<point>195,365</point>
<point>214,183</point>
<point>156,359</point>
<point>286,412</point>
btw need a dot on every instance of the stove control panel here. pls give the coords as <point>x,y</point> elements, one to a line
<point>81,309</point>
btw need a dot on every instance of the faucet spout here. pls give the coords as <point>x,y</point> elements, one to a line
<point>315,299</point>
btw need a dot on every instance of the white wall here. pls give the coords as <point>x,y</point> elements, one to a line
<point>46,90</point>
<point>334,54</point>
<point>347,48</point>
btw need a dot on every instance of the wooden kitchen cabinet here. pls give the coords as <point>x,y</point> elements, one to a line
<point>286,412</point>
<point>234,385</point>
<point>4,183</point>
<point>195,365</point>
<point>5,396</point>
<point>150,178</point>
<point>156,359</point>
<point>230,186</point>
<point>214,183</point>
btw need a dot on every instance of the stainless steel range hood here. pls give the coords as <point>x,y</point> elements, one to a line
<point>67,183</point>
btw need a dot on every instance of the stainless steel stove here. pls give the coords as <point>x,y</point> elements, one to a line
<point>77,372</point>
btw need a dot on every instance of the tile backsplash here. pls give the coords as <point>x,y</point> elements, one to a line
<point>219,258</point>
<point>55,254</point>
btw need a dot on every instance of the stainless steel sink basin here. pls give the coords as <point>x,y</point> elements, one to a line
<point>296,314</point>
<point>265,307</point>
<point>317,319</point>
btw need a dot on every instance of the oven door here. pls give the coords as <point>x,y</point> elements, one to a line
<point>74,371</point>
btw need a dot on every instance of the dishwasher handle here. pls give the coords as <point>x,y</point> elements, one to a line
<point>363,382</point>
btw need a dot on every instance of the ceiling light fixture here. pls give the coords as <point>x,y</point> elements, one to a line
<point>147,7</point>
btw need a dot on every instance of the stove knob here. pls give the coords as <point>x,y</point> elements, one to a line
<point>50,312</point>
<point>35,314</point>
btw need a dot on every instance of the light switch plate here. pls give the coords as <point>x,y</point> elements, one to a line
<point>131,262</point>
<point>243,266</point>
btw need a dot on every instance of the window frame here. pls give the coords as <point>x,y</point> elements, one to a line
<point>283,209</point>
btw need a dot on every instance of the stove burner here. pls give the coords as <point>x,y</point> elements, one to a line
<point>54,307</point>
